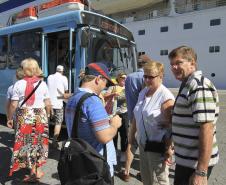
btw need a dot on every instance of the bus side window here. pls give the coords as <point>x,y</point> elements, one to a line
<point>24,45</point>
<point>3,52</point>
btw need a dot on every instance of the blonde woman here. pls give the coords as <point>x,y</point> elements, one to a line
<point>116,94</point>
<point>31,140</point>
<point>152,123</point>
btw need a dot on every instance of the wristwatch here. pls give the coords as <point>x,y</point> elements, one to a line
<point>201,173</point>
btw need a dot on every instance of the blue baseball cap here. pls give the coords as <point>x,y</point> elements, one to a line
<point>99,69</point>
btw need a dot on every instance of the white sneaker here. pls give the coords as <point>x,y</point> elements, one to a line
<point>122,157</point>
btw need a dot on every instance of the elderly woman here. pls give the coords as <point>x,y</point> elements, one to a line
<point>31,139</point>
<point>152,123</point>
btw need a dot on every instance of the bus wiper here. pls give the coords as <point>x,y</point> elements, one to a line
<point>120,50</point>
<point>126,57</point>
<point>118,44</point>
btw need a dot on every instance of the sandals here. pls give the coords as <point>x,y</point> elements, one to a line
<point>33,178</point>
<point>123,176</point>
<point>30,179</point>
<point>39,175</point>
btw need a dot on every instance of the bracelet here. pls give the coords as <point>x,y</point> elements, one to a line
<point>201,173</point>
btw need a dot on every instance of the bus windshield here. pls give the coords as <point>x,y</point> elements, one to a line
<point>113,50</point>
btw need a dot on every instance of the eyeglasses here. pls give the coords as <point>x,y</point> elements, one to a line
<point>150,77</point>
<point>178,63</point>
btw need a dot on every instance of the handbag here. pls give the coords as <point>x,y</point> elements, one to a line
<point>155,146</point>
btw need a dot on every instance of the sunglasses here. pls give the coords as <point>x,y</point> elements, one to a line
<point>150,77</point>
<point>122,77</point>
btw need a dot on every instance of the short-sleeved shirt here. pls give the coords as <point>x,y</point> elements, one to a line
<point>41,93</point>
<point>197,103</point>
<point>9,92</point>
<point>149,116</point>
<point>93,118</point>
<point>57,84</point>
<point>133,85</point>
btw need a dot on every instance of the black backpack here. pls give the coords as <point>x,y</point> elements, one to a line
<point>80,163</point>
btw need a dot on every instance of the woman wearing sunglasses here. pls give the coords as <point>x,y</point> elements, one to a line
<point>152,125</point>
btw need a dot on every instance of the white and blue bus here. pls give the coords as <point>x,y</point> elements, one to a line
<point>72,39</point>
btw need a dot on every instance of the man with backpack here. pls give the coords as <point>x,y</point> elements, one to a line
<point>94,125</point>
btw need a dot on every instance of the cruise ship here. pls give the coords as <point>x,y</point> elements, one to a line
<point>161,25</point>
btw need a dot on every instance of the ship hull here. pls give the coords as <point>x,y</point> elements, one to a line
<point>203,37</point>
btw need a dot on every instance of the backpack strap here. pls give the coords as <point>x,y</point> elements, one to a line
<point>32,92</point>
<point>74,132</point>
<point>78,110</point>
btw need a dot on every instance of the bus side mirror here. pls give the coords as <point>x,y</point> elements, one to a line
<point>85,38</point>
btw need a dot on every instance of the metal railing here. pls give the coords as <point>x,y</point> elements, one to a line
<point>200,5</point>
<point>180,8</point>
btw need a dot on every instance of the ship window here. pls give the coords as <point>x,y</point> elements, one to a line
<point>141,53</point>
<point>217,48</point>
<point>214,49</point>
<point>215,22</point>
<point>211,49</point>
<point>141,32</point>
<point>3,52</point>
<point>188,26</point>
<point>164,52</point>
<point>164,29</point>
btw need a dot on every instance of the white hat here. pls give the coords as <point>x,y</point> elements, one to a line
<point>60,68</point>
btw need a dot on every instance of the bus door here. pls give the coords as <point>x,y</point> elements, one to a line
<point>58,49</point>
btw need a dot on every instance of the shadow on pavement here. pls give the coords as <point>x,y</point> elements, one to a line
<point>53,152</point>
<point>135,166</point>
<point>4,163</point>
<point>7,138</point>
<point>55,176</point>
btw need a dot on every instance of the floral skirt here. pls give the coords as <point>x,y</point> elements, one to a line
<point>31,139</point>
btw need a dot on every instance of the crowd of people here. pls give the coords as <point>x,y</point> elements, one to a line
<point>138,106</point>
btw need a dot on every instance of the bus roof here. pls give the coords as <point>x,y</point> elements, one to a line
<point>67,19</point>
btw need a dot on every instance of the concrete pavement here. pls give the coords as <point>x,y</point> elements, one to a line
<point>218,176</point>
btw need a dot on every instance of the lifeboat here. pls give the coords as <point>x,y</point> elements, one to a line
<point>27,14</point>
<point>59,6</point>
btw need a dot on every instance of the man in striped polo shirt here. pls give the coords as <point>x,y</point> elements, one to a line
<point>194,120</point>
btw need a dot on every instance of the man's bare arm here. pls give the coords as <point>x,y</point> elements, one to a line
<point>205,145</point>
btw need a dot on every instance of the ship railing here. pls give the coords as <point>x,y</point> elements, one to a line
<point>180,8</point>
<point>198,5</point>
<point>145,16</point>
